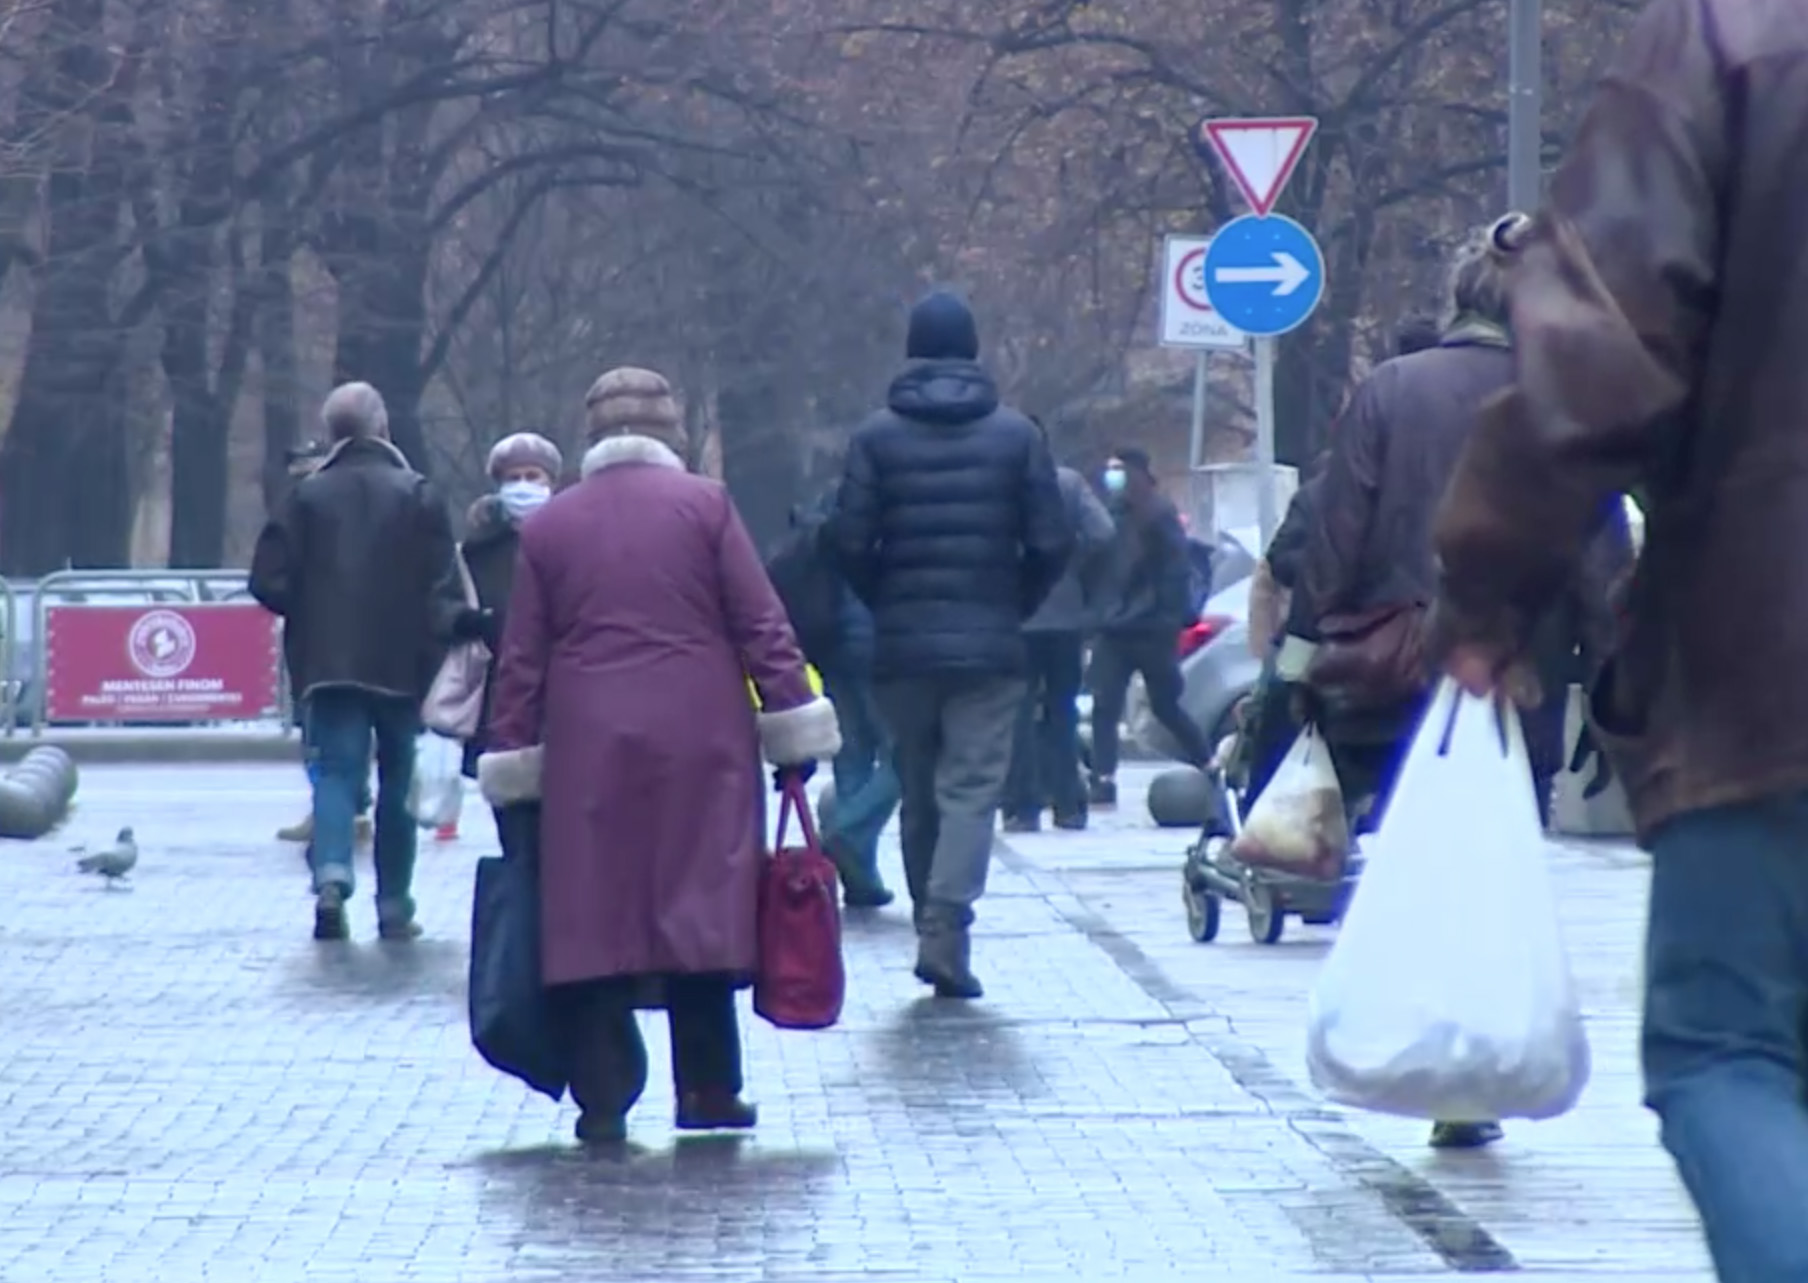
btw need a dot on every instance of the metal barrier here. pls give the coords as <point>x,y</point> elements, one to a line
<point>157,639</point>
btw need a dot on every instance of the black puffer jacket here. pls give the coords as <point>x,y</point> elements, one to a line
<point>949,525</point>
<point>358,561</point>
<point>491,542</point>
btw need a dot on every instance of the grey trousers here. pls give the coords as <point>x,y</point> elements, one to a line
<point>952,749</point>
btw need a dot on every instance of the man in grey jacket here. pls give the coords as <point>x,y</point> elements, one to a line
<point>1045,754</point>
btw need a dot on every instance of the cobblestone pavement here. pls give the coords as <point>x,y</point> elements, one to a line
<point>194,1090</point>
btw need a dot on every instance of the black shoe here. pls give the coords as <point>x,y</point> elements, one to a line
<point>1464,1135</point>
<point>1073,822</point>
<point>944,960</point>
<point>1102,792</point>
<point>602,1129</point>
<point>714,1111</point>
<point>329,913</point>
<point>1023,824</point>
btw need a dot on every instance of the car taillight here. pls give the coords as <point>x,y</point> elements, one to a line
<point>1198,634</point>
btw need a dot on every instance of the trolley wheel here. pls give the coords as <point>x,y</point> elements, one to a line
<point>1266,919</point>
<point>1204,910</point>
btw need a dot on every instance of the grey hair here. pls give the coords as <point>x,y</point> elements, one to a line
<point>1478,272</point>
<point>354,410</point>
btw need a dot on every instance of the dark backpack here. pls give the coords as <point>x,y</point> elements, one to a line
<point>811,589</point>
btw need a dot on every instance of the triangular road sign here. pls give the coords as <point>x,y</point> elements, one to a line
<point>1260,153</point>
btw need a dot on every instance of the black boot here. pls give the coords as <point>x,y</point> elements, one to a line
<point>715,1110</point>
<point>944,956</point>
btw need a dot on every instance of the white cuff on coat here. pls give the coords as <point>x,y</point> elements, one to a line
<point>510,776</point>
<point>808,733</point>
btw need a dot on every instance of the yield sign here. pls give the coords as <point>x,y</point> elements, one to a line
<point>1260,153</point>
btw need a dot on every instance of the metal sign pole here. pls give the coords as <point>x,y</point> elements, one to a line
<point>1266,517</point>
<point>1525,141</point>
<point>1196,446</point>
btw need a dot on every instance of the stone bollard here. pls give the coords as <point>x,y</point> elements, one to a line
<point>36,793</point>
<point>1182,798</point>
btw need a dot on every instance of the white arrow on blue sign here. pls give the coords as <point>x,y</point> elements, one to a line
<point>1264,275</point>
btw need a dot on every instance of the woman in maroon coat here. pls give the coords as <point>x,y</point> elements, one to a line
<point>639,611</point>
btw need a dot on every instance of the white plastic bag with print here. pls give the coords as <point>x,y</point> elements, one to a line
<point>437,794</point>
<point>1297,824</point>
<point>1448,993</point>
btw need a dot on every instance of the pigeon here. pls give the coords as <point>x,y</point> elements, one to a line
<point>114,864</point>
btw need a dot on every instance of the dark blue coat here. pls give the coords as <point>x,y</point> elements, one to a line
<point>949,525</point>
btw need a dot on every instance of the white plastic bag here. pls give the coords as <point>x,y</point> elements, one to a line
<point>1298,824</point>
<point>1448,993</point>
<point>437,794</point>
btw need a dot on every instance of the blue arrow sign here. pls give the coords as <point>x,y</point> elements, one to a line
<point>1264,276</point>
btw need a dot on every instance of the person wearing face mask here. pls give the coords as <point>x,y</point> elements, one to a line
<point>1147,602</point>
<point>522,466</point>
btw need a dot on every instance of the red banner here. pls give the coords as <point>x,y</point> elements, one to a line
<point>215,662</point>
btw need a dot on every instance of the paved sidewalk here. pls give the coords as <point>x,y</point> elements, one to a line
<point>1591,1192</point>
<point>194,1090</point>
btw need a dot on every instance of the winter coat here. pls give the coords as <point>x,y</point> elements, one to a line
<point>1660,325</point>
<point>358,561</point>
<point>1368,540</point>
<point>1148,574</point>
<point>949,525</point>
<point>491,541</point>
<point>640,608</point>
<point>1069,607</point>
<point>1286,561</point>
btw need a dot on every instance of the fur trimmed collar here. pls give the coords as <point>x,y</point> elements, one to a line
<point>613,452</point>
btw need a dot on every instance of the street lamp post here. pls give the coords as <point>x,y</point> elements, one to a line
<point>1525,91</point>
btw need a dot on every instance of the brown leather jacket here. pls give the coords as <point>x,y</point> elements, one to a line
<point>1660,317</point>
<point>1391,456</point>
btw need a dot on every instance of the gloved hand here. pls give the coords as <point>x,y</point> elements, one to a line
<point>474,624</point>
<point>802,773</point>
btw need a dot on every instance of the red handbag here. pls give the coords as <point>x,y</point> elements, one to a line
<point>801,982</point>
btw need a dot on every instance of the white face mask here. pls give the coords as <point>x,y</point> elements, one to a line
<point>1114,480</point>
<point>519,498</point>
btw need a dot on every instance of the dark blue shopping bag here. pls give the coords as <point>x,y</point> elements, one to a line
<point>513,1025</point>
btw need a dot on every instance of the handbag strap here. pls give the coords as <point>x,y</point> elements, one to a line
<point>794,800</point>
<point>464,578</point>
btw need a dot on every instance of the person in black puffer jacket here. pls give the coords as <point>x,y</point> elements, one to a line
<point>951,528</point>
<point>523,467</point>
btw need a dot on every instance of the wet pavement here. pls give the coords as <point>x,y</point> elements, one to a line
<point>194,1090</point>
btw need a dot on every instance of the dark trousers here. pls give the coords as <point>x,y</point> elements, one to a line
<point>1725,1060</point>
<point>609,1057</point>
<point>1115,659</point>
<point>1045,751</point>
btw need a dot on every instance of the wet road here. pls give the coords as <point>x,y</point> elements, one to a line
<point>191,1089</point>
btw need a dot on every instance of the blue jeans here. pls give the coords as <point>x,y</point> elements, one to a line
<point>364,798</point>
<point>340,723</point>
<point>1726,1005</point>
<point>866,785</point>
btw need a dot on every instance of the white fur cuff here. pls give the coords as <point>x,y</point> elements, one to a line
<point>510,776</point>
<point>807,733</point>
